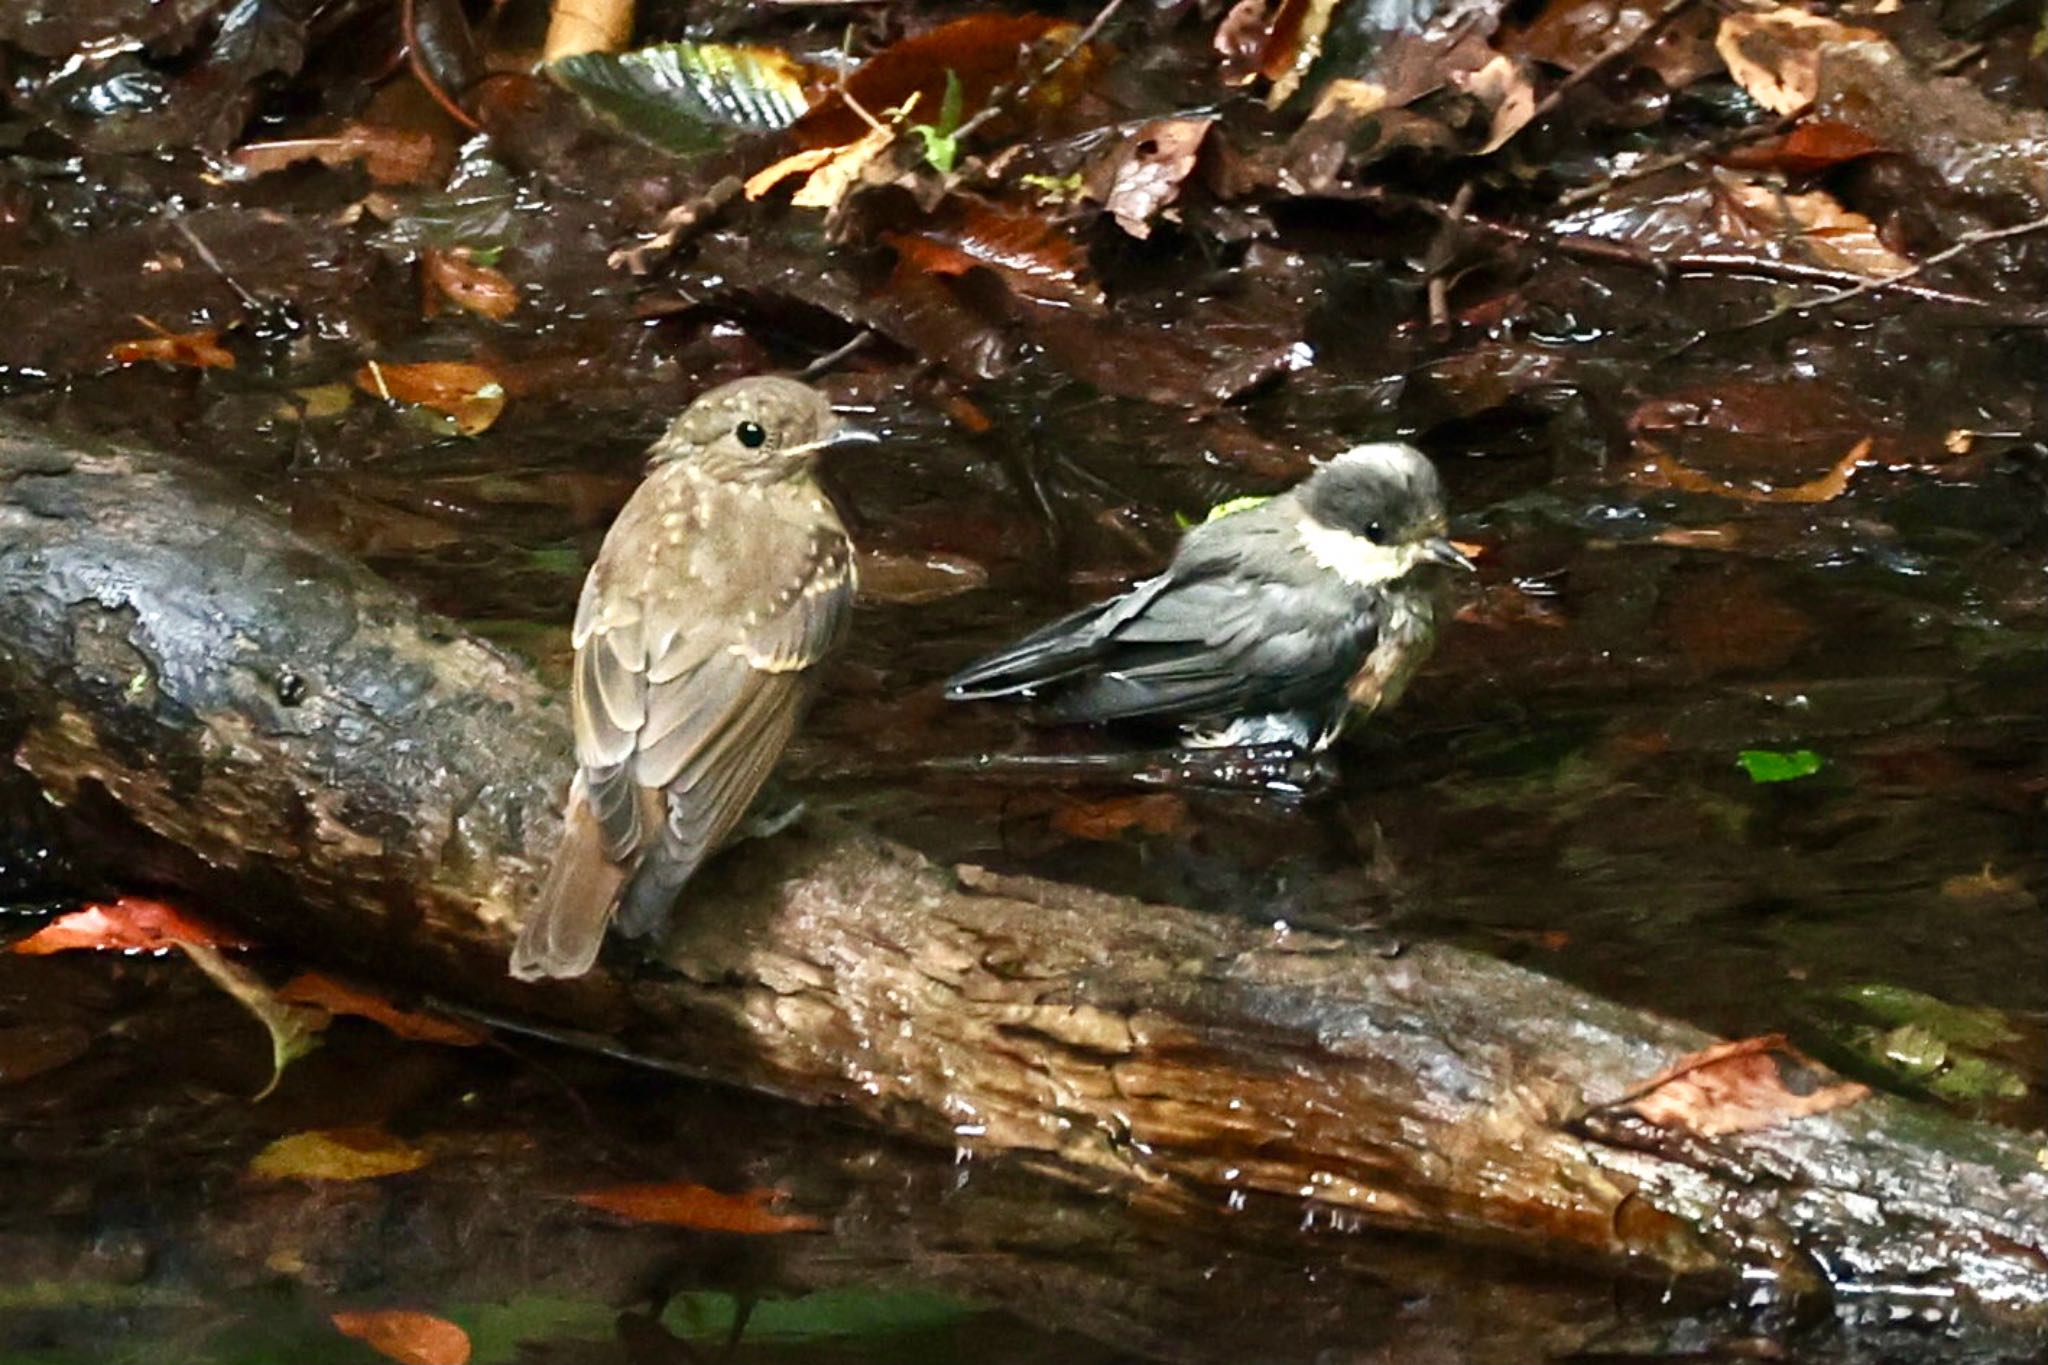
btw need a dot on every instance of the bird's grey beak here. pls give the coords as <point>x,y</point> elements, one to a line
<point>1438,550</point>
<point>852,436</point>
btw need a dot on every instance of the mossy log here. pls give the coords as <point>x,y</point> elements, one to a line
<point>231,706</point>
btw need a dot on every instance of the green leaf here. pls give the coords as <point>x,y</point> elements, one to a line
<point>1963,1025</point>
<point>1771,765</point>
<point>941,148</point>
<point>687,98</point>
<point>1235,505</point>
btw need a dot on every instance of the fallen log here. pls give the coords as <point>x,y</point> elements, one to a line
<point>380,791</point>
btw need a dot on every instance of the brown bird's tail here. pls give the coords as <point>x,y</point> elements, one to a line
<point>566,925</point>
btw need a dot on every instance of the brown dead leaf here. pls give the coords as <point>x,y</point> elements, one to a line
<point>471,394</point>
<point>968,414</point>
<point>825,186</point>
<point>1775,55</point>
<point>1986,890</point>
<point>1740,1087</point>
<point>1156,813</point>
<point>456,277</point>
<point>903,580</point>
<point>1145,173</point>
<point>1504,88</point>
<point>336,997</point>
<point>1814,145</point>
<point>797,163</point>
<point>1573,34</point>
<point>409,1337</point>
<point>983,51</point>
<point>1241,40</point>
<point>392,156</point>
<point>1035,257</point>
<point>694,1206</point>
<point>337,1154</point>
<point>129,924</point>
<point>1503,606</point>
<point>1830,235</point>
<point>1730,622</point>
<point>199,350</point>
<point>1662,470</point>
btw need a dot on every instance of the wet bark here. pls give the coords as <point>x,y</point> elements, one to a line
<point>227,702</point>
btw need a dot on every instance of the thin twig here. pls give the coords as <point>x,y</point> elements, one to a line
<point>838,353</point>
<point>1881,282</point>
<point>1000,98</point>
<point>1650,166</point>
<point>1440,255</point>
<point>679,224</point>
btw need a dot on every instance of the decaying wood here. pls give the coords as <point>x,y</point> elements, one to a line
<point>382,790</point>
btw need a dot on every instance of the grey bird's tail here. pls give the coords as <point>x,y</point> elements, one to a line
<point>1047,655</point>
<point>566,926</point>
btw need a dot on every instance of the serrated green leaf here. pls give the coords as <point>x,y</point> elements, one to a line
<point>1771,765</point>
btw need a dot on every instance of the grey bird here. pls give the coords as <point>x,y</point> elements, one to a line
<point>1271,625</point>
<point>724,582</point>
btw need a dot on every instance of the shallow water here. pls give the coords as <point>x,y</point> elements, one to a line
<point>1561,787</point>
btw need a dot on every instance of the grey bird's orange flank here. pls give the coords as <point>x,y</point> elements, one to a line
<point>724,582</point>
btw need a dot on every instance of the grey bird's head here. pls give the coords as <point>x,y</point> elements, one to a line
<point>1376,512</point>
<point>760,430</point>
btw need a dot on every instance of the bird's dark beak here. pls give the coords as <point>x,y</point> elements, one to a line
<point>1438,550</point>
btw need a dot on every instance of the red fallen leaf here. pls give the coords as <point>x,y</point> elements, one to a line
<point>1145,173</point>
<point>454,276</point>
<point>336,997</point>
<point>129,924</point>
<point>1034,257</point>
<point>1739,1087</point>
<point>694,1206</point>
<point>968,414</point>
<point>1813,146</point>
<point>1158,813</point>
<point>409,1337</point>
<point>471,394</point>
<point>200,350</point>
<point>392,156</point>
<point>983,51</point>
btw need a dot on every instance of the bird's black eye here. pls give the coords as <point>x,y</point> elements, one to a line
<point>752,435</point>
<point>1376,533</point>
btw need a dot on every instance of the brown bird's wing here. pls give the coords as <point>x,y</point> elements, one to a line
<point>692,646</point>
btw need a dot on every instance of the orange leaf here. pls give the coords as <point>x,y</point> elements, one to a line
<point>1663,471</point>
<point>324,992</point>
<point>471,394</point>
<point>1159,813</point>
<point>406,1336</point>
<point>1033,256</point>
<point>129,924</point>
<point>982,50</point>
<point>200,350</point>
<point>1740,1087</point>
<point>694,1206</point>
<point>453,276</point>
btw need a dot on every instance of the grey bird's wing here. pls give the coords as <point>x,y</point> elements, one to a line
<point>1233,626</point>
<point>692,658</point>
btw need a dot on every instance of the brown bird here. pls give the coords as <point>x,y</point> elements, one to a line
<point>723,583</point>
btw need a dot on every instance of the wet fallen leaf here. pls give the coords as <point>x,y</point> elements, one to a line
<point>391,156</point>
<point>1146,171</point>
<point>199,350</point>
<point>412,1338</point>
<point>294,1029</point>
<point>1829,234</point>
<point>908,579</point>
<point>1775,55</point>
<point>968,414</point>
<point>828,182</point>
<point>1770,765</point>
<point>456,277</point>
<point>470,394</point>
<point>337,997</point>
<point>28,1050</point>
<point>1661,470</point>
<point>1573,34</point>
<point>337,1154</point>
<point>1277,40</point>
<point>129,924</point>
<point>980,51</point>
<point>1987,889</point>
<point>689,97</point>
<point>694,1206</point>
<point>1740,1087</point>
<point>1732,622</point>
<point>1815,145</point>
<point>1155,813</point>
<point>1503,606</point>
<point>1032,255</point>
<point>1504,89</point>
